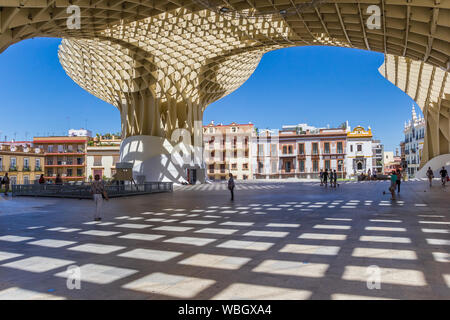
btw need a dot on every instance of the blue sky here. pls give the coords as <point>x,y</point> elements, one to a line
<point>316,85</point>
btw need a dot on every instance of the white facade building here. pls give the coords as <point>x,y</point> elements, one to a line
<point>359,151</point>
<point>102,160</point>
<point>265,155</point>
<point>414,131</point>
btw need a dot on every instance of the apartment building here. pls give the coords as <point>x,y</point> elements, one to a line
<point>303,154</point>
<point>65,156</point>
<point>414,131</point>
<point>23,163</point>
<point>265,154</point>
<point>101,160</point>
<point>228,149</point>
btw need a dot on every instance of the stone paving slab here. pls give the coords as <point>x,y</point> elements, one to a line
<point>293,240</point>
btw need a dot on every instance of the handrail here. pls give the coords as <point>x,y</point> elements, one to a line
<point>84,191</point>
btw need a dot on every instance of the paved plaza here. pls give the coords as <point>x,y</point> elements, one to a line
<point>286,240</point>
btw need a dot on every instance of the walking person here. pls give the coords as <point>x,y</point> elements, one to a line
<point>430,175</point>
<point>335,178</point>
<point>330,176</point>
<point>399,180</point>
<point>393,184</point>
<point>231,186</point>
<point>325,177</point>
<point>369,174</point>
<point>321,177</point>
<point>5,181</point>
<point>41,179</point>
<point>98,192</point>
<point>58,179</point>
<point>444,176</point>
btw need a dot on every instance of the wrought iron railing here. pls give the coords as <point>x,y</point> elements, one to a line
<point>83,191</point>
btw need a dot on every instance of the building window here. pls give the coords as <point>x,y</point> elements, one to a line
<point>301,148</point>
<point>327,164</point>
<point>79,172</point>
<point>284,150</point>
<point>273,150</point>
<point>245,166</point>
<point>26,163</point>
<point>359,166</point>
<point>211,130</point>
<point>233,129</point>
<point>12,163</point>
<point>290,149</point>
<point>234,166</point>
<point>315,148</point>
<point>37,164</point>
<point>260,150</point>
<point>69,172</point>
<point>351,148</point>
<point>1,164</point>
<point>60,148</point>
<point>50,148</point>
<point>212,154</point>
<point>97,160</point>
<point>359,147</point>
<point>315,165</point>
<point>339,147</point>
<point>115,160</point>
<point>235,154</point>
<point>26,179</point>
<point>326,147</point>
<point>302,165</point>
<point>340,164</point>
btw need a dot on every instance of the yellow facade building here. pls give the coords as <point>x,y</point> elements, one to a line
<point>24,164</point>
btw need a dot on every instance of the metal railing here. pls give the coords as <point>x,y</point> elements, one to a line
<point>83,191</point>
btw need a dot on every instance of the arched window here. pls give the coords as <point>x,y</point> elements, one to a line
<point>359,166</point>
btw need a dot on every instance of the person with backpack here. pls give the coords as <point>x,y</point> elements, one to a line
<point>5,181</point>
<point>444,176</point>
<point>231,186</point>
<point>430,175</point>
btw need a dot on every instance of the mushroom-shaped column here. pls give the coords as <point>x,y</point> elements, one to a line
<point>161,101</point>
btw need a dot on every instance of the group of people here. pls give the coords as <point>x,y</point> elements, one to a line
<point>326,176</point>
<point>443,173</point>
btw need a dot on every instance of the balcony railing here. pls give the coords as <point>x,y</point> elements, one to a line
<point>26,169</point>
<point>13,169</point>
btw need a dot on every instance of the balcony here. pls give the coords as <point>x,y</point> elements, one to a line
<point>13,169</point>
<point>26,169</point>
